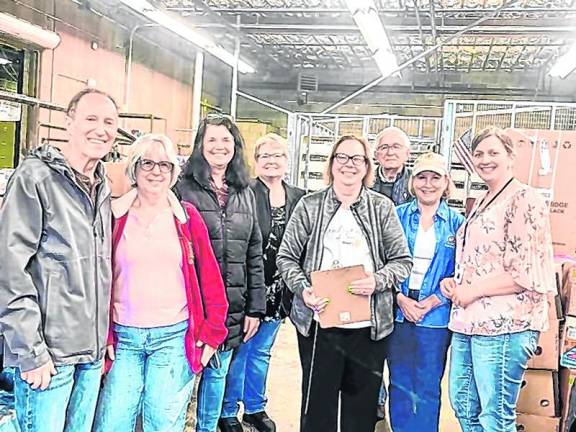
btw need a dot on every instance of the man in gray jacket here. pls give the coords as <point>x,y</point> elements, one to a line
<point>55,244</point>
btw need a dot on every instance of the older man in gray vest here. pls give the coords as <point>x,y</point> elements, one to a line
<point>392,153</point>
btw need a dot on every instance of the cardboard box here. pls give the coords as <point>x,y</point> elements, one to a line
<point>548,351</point>
<point>116,173</point>
<point>545,159</point>
<point>566,283</point>
<point>532,423</point>
<point>568,343</point>
<point>567,378</point>
<point>539,393</point>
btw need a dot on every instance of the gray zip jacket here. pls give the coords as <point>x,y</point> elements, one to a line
<point>301,252</point>
<point>55,277</point>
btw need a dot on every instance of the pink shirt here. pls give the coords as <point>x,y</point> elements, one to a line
<point>149,288</point>
<point>511,237</point>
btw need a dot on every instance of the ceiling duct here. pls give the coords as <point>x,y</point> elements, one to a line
<point>307,82</point>
<point>28,32</point>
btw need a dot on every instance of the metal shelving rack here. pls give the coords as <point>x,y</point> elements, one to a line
<point>314,136</point>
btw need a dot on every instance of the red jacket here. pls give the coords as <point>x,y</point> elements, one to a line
<point>207,304</point>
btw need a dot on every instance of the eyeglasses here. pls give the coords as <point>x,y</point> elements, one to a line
<point>357,160</point>
<point>218,116</point>
<point>268,156</point>
<point>148,165</point>
<point>385,147</point>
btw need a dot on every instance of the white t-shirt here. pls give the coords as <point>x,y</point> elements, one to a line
<point>424,249</point>
<point>345,245</point>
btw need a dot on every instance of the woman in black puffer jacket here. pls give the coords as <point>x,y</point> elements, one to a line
<point>215,180</point>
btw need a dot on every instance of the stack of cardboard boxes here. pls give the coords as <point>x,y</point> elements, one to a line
<point>539,404</point>
<point>545,160</point>
<point>566,275</point>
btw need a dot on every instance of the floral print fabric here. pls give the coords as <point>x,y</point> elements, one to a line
<point>509,237</point>
<point>271,274</point>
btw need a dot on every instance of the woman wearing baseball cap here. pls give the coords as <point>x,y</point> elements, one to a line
<point>420,340</point>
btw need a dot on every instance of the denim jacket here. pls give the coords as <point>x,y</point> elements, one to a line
<point>446,224</point>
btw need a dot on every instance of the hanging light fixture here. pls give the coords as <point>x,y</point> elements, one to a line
<point>565,65</point>
<point>365,15</point>
<point>174,25</point>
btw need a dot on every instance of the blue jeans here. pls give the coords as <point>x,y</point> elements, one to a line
<point>246,381</point>
<point>211,394</point>
<point>150,375</point>
<point>416,360</point>
<point>382,395</point>
<point>485,378</point>
<point>68,404</point>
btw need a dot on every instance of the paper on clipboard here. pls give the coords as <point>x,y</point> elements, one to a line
<point>344,308</point>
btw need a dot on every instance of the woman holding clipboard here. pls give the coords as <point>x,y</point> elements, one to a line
<point>344,225</point>
<point>504,271</point>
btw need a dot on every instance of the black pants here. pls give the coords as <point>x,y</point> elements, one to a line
<point>348,365</point>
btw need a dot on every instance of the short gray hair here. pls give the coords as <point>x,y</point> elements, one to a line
<point>393,129</point>
<point>141,146</point>
<point>270,138</point>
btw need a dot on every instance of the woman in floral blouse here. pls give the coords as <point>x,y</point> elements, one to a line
<point>499,291</point>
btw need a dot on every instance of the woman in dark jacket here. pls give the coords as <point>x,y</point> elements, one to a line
<point>275,201</point>
<point>215,180</point>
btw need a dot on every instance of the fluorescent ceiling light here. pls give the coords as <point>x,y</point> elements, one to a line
<point>565,65</point>
<point>4,61</point>
<point>366,17</point>
<point>159,17</point>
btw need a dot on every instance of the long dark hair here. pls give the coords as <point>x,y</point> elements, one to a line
<point>197,167</point>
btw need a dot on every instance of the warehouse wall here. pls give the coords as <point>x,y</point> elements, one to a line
<point>162,74</point>
<point>68,68</point>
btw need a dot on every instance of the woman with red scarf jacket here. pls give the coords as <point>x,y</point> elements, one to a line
<point>168,307</point>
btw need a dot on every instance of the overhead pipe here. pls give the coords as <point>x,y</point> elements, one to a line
<point>346,28</point>
<point>28,32</point>
<point>128,77</point>
<point>416,58</point>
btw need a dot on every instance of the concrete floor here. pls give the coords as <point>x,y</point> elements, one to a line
<point>284,387</point>
<point>284,382</point>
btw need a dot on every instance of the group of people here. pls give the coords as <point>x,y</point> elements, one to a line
<point>110,309</point>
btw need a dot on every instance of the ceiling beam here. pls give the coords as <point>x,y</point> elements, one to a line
<point>313,10</point>
<point>331,29</point>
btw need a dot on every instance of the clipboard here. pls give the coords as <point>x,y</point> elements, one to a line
<point>344,308</point>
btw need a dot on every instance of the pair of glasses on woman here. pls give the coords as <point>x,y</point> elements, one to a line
<point>357,160</point>
<point>219,116</point>
<point>148,165</point>
<point>271,156</point>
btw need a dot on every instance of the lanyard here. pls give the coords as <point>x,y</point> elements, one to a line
<point>478,209</point>
<point>458,273</point>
